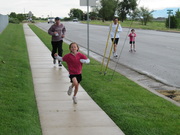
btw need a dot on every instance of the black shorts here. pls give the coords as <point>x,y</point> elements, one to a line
<point>115,41</point>
<point>78,77</point>
<point>131,42</point>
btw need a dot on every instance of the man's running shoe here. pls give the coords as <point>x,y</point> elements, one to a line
<point>60,65</point>
<point>54,61</point>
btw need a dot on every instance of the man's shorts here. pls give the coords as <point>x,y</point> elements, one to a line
<point>78,77</point>
<point>115,41</point>
<point>131,42</point>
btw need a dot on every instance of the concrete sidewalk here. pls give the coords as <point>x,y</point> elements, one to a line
<point>58,115</point>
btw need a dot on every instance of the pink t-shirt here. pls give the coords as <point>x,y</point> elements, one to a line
<point>73,62</point>
<point>132,36</point>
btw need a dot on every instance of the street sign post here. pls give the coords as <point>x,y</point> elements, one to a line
<point>169,13</point>
<point>88,3</point>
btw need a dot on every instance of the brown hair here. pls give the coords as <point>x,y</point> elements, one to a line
<point>115,18</point>
<point>132,30</point>
<point>75,44</point>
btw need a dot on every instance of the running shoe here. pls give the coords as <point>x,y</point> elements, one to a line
<point>115,54</point>
<point>60,65</point>
<point>130,50</point>
<point>74,99</point>
<point>54,61</point>
<point>69,92</point>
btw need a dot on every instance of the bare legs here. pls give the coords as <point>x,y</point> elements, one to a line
<point>115,47</point>
<point>132,48</point>
<point>75,84</point>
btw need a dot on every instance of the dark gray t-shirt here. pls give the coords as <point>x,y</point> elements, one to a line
<point>60,29</point>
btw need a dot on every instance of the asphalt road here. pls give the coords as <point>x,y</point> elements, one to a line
<point>158,53</point>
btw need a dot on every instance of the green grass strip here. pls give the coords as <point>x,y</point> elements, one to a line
<point>133,108</point>
<point>153,25</point>
<point>18,108</point>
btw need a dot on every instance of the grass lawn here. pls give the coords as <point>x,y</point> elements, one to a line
<point>18,108</point>
<point>154,25</point>
<point>134,109</point>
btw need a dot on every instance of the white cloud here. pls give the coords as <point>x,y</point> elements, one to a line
<point>159,4</point>
<point>61,8</point>
<point>40,7</point>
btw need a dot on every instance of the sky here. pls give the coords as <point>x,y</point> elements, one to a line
<point>61,8</point>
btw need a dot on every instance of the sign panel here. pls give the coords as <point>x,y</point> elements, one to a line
<point>84,2</point>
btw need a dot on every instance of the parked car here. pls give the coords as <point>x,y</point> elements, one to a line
<point>75,20</point>
<point>51,20</point>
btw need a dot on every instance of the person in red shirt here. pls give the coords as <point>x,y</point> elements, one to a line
<point>132,36</point>
<point>74,61</point>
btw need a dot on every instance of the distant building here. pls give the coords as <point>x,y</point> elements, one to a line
<point>160,19</point>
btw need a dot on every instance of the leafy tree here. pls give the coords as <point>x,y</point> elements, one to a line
<point>67,19</point>
<point>108,8</point>
<point>76,13</point>
<point>177,15</point>
<point>21,17</point>
<point>34,18</point>
<point>144,15</point>
<point>125,7</point>
<point>16,18</point>
<point>173,22</point>
<point>12,15</point>
<point>93,15</point>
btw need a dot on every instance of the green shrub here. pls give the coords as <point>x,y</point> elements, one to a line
<point>173,22</point>
<point>14,20</point>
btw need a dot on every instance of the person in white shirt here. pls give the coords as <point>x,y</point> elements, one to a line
<point>115,26</point>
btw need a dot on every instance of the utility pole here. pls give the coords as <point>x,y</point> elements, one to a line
<point>88,28</point>
<point>169,14</point>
